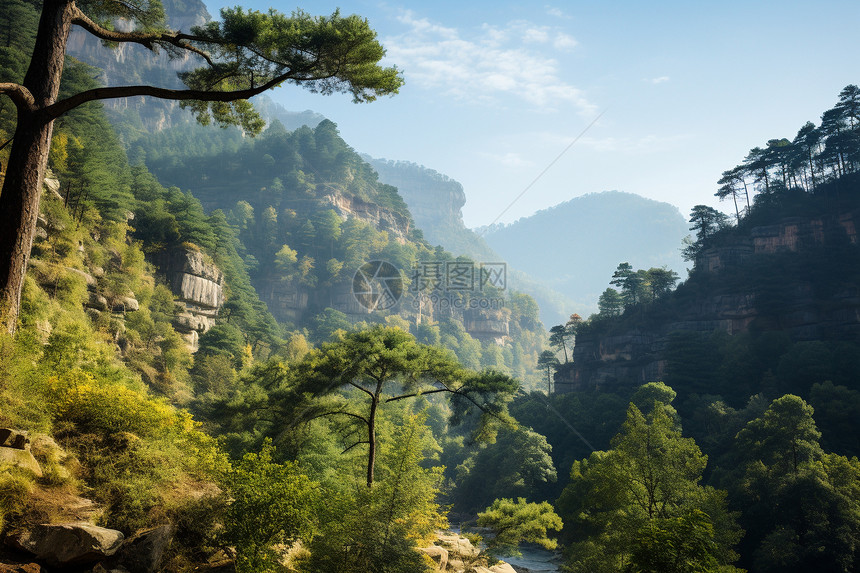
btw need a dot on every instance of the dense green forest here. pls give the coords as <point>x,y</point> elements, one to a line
<point>321,440</point>
<point>758,351</point>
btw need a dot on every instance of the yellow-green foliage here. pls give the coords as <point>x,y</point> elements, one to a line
<point>78,398</point>
<point>15,486</point>
<point>137,449</point>
<point>21,405</point>
<point>272,505</point>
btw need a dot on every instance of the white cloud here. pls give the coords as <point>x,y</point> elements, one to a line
<point>552,141</point>
<point>635,145</point>
<point>564,42</point>
<point>555,12</point>
<point>660,80</point>
<point>509,159</point>
<point>510,61</point>
<point>538,35</point>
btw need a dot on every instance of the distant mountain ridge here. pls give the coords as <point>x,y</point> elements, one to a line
<point>574,248</point>
<point>436,201</point>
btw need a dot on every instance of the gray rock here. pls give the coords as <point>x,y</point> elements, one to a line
<point>90,279</point>
<point>97,302</point>
<point>185,261</point>
<point>71,543</point>
<point>143,552</point>
<point>51,182</point>
<point>439,555</point>
<point>21,459</point>
<point>127,304</point>
<point>190,322</point>
<point>457,545</point>
<point>198,290</point>
<point>10,438</point>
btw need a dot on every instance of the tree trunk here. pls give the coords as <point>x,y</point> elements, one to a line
<point>735,199</point>
<point>19,203</point>
<point>19,200</point>
<point>371,439</point>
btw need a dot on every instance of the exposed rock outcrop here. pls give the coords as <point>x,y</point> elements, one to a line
<point>198,284</point>
<point>435,201</point>
<point>453,553</point>
<point>143,552</point>
<point>70,543</point>
<point>802,311</point>
<point>287,299</point>
<point>395,224</point>
<point>439,555</point>
<point>15,451</point>
<point>487,325</point>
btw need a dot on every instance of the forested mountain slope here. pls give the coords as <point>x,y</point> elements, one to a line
<point>142,339</point>
<point>152,406</point>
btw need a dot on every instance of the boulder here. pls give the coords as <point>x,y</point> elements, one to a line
<point>127,304</point>
<point>88,278</point>
<point>457,545</point>
<point>70,543</point>
<point>21,459</point>
<point>438,554</point>
<point>51,183</point>
<point>502,568</point>
<point>142,553</point>
<point>16,439</point>
<point>191,322</point>
<point>97,302</point>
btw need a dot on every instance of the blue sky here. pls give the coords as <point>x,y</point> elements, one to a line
<point>495,90</point>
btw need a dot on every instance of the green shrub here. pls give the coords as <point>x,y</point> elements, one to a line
<point>15,486</point>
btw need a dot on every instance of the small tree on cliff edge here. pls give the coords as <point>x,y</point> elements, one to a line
<point>247,53</point>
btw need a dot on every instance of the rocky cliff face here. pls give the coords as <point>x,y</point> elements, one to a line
<point>199,286</point>
<point>434,200</point>
<point>637,356</point>
<point>130,64</point>
<point>788,235</point>
<point>292,302</point>
<point>396,225</point>
<point>487,325</point>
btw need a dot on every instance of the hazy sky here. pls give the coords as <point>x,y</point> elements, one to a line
<point>496,90</point>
